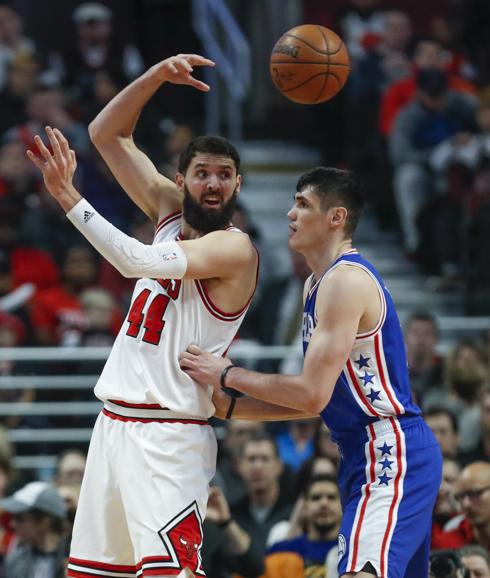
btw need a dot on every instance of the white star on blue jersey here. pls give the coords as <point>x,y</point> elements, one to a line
<point>373,395</point>
<point>362,361</point>
<point>384,479</point>
<point>386,464</point>
<point>385,449</point>
<point>367,378</point>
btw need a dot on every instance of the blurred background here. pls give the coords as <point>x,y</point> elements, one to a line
<point>413,121</point>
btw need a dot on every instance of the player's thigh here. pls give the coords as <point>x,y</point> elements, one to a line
<point>165,492</point>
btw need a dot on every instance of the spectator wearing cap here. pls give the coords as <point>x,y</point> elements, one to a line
<point>436,113</point>
<point>95,49</point>
<point>39,546</point>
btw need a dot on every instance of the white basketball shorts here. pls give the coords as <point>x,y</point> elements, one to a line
<point>144,494</point>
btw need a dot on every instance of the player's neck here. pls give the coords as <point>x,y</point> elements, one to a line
<point>320,258</point>
<point>188,233</point>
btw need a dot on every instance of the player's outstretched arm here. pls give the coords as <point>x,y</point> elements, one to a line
<point>112,134</point>
<point>340,306</point>
<point>218,254</point>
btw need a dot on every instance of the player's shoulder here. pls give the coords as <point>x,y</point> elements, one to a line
<point>232,239</point>
<point>343,276</point>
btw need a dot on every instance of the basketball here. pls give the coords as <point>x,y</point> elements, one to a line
<point>309,64</point>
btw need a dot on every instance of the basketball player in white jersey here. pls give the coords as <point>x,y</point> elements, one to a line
<point>152,453</point>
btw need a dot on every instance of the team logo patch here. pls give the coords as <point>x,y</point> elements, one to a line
<point>342,545</point>
<point>169,256</point>
<point>182,538</point>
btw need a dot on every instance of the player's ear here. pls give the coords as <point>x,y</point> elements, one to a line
<point>338,216</point>
<point>238,183</point>
<point>179,181</point>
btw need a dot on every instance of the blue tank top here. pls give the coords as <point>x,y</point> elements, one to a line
<point>374,382</point>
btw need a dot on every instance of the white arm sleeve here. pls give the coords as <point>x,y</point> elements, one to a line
<point>130,257</point>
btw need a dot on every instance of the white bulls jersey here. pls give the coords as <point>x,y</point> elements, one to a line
<point>165,317</point>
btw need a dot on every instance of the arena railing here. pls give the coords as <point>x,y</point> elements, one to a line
<point>225,43</point>
<point>60,372</point>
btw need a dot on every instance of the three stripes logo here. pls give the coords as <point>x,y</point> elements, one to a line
<point>87,215</point>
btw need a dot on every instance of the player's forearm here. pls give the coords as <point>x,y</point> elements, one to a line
<point>119,117</point>
<point>129,256</point>
<point>258,410</point>
<point>285,390</point>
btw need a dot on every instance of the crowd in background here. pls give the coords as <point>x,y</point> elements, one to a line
<point>413,121</point>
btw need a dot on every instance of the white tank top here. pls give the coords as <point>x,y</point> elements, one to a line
<point>164,318</point>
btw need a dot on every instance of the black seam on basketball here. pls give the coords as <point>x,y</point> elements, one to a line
<point>308,62</point>
<point>325,81</point>
<point>311,45</point>
<point>308,80</point>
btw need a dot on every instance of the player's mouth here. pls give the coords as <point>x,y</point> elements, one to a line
<point>292,230</point>
<point>211,201</point>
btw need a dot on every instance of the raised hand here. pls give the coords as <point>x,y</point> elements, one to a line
<point>178,70</point>
<point>57,167</point>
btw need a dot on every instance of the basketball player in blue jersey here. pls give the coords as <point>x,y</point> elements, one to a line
<point>355,376</point>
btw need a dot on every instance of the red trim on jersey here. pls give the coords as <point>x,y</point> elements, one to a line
<point>382,376</point>
<point>396,492</point>
<point>168,219</point>
<point>136,405</point>
<point>119,417</point>
<point>372,477</point>
<point>216,311</point>
<point>358,388</point>
<point>92,565</point>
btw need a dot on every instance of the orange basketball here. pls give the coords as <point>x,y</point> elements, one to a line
<point>309,64</point>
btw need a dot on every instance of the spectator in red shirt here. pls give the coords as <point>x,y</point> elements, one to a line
<point>428,53</point>
<point>447,511</point>
<point>473,493</point>
<point>56,313</point>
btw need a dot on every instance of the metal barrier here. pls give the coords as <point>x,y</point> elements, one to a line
<point>67,385</point>
<point>223,42</point>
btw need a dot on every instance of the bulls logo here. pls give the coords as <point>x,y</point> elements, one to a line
<point>182,538</point>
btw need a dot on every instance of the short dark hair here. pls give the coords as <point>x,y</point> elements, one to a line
<point>257,437</point>
<point>423,316</point>
<point>320,478</point>
<point>215,145</point>
<point>441,410</point>
<point>474,550</point>
<point>336,186</point>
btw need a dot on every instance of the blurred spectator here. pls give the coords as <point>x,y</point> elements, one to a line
<point>266,502</point>
<point>477,560</point>
<point>475,27</point>
<point>277,317</point>
<point>425,364</point>
<point>19,184</point>
<point>385,62</point>
<point>305,555</point>
<point>467,149</point>
<point>22,79</point>
<point>227,547</point>
<point>477,242</point>
<point>56,313</point>
<point>177,139</point>
<point>445,427</point>
<point>94,49</point>
<point>237,432</point>
<point>103,318</point>
<point>447,510</point>
<point>295,444</point>
<point>427,54</point>
<point>39,546</point>
<point>435,114</point>
<point>324,445</point>
<point>13,43</point>
<point>467,377</point>
<point>473,493</point>
<point>70,467</point>
<point>47,107</point>
<point>482,450</point>
<point>357,20</point>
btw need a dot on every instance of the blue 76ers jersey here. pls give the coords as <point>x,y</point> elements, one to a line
<point>374,382</point>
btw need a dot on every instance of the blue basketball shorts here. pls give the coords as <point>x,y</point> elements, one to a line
<point>389,480</point>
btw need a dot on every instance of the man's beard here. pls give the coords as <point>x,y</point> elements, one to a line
<point>324,528</point>
<point>207,220</point>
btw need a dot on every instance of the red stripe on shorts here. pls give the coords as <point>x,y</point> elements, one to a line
<point>126,418</point>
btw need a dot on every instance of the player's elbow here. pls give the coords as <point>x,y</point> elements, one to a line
<point>316,403</point>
